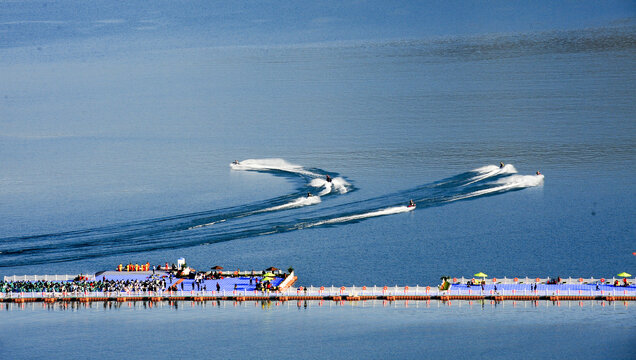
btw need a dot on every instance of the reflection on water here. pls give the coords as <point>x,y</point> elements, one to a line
<point>478,304</point>
<point>320,329</point>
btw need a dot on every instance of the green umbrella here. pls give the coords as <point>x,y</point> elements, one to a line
<point>624,274</point>
<point>480,274</point>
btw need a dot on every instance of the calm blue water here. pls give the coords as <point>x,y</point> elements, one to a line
<point>314,330</point>
<point>123,155</point>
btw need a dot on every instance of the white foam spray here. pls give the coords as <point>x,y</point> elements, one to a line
<point>337,185</point>
<point>387,211</point>
<point>488,171</point>
<point>300,202</point>
<point>505,184</point>
<point>205,225</point>
<point>271,164</point>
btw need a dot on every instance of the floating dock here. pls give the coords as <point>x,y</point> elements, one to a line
<point>240,287</point>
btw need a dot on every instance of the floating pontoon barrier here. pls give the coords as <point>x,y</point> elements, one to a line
<point>349,297</point>
<point>495,290</point>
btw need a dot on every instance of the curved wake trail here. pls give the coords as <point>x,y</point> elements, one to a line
<point>271,216</point>
<point>350,218</point>
<point>301,201</point>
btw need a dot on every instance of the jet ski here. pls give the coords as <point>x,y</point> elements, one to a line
<point>411,204</point>
<point>328,178</point>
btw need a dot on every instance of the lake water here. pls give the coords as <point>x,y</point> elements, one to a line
<point>315,330</point>
<point>124,156</point>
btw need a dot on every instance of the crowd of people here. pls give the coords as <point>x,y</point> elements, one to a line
<point>156,281</point>
<point>153,284</point>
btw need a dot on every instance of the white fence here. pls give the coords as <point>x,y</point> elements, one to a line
<point>34,278</point>
<point>334,291</point>
<point>539,280</point>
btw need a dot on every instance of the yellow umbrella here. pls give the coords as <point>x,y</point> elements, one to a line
<point>481,275</point>
<point>624,274</point>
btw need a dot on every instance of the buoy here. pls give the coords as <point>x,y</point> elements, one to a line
<point>342,288</point>
<point>602,280</point>
<point>580,280</point>
<point>516,279</point>
<point>454,280</point>
<point>428,288</point>
<point>406,288</point>
<point>538,280</point>
<point>385,288</point>
<point>364,288</point>
<point>494,279</point>
<point>322,288</point>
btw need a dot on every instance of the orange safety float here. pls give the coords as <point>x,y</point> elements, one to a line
<point>516,279</point>
<point>406,288</point>
<point>428,288</point>
<point>385,288</point>
<point>454,280</point>
<point>342,288</point>
<point>494,279</point>
<point>602,280</point>
<point>322,288</point>
<point>538,280</point>
<point>364,288</point>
